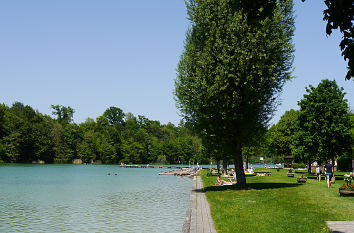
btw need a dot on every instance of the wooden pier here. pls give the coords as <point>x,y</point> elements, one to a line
<point>178,171</point>
<point>139,166</point>
<point>151,166</point>
<point>181,172</point>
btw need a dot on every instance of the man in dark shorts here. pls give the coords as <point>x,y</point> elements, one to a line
<point>329,173</point>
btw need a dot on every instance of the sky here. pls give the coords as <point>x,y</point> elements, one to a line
<point>91,55</point>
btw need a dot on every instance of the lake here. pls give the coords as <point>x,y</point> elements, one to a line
<point>84,198</point>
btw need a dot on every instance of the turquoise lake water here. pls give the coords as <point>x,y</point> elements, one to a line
<point>84,198</point>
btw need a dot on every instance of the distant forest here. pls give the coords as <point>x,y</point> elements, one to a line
<point>28,136</point>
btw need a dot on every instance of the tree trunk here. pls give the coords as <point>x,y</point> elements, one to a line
<point>309,167</point>
<point>224,165</point>
<point>218,166</point>
<point>240,174</point>
<point>247,161</point>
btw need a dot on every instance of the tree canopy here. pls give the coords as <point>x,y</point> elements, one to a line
<point>324,126</point>
<point>233,66</point>
<point>282,135</point>
<point>64,114</point>
<point>28,136</point>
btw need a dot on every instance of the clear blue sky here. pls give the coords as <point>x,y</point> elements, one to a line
<point>91,55</point>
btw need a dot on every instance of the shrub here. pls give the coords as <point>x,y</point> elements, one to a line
<point>298,165</point>
<point>344,163</point>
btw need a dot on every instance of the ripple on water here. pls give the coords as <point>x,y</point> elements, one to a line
<point>139,201</point>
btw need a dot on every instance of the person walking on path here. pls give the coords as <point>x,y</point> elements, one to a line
<point>329,173</point>
<point>318,173</point>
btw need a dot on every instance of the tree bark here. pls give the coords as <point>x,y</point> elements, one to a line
<point>309,167</point>
<point>224,165</point>
<point>218,166</point>
<point>240,174</point>
<point>247,161</point>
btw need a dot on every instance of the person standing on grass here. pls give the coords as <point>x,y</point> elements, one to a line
<point>318,173</point>
<point>329,173</point>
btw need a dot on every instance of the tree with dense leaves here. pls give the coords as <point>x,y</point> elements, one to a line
<point>281,136</point>
<point>324,126</point>
<point>345,161</point>
<point>64,114</point>
<point>114,115</point>
<point>255,148</point>
<point>233,67</point>
<point>2,121</point>
<point>28,136</point>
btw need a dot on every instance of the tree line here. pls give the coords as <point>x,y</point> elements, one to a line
<point>322,129</point>
<point>29,136</point>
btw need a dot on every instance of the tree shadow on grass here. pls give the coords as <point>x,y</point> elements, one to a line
<point>250,186</point>
<point>313,177</point>
<point>272,185</point>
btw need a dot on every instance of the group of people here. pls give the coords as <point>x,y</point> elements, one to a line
<point>328,167</point>
<point>232,181</point>
<point>329,173</point>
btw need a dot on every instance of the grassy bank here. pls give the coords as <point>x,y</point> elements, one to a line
<point>277,203</point>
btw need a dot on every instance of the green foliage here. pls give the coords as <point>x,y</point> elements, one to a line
<point>298,165</point>
<point>64,114</point>
<point>348,179</point>
<point>256,149</point>
<point>323,130</point>
<point>344,163</point>
<point>26,136</point>
<point>114,115</point>
<point>2,120</point>
<point>234,64</point>
<point>281,135</point>
<point>351,116</point>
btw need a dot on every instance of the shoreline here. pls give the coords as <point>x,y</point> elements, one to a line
<point>198,217</point>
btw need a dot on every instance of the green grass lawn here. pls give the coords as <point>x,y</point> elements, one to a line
<point>277,203</point>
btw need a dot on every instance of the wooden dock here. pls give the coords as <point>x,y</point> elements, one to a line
<point>198,218</point>
<point>153,166</point>
<point>140,166</point>
<point>180,172</point>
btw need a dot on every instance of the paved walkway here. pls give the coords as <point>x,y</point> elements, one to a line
<point>341,226</point>
<point>198,218</point>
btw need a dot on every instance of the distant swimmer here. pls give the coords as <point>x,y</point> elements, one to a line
<point>109,174</point>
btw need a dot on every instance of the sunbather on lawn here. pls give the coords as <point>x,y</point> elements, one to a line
<point>220,181</point>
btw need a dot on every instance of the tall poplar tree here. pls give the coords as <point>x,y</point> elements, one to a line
<point>236,58</point>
